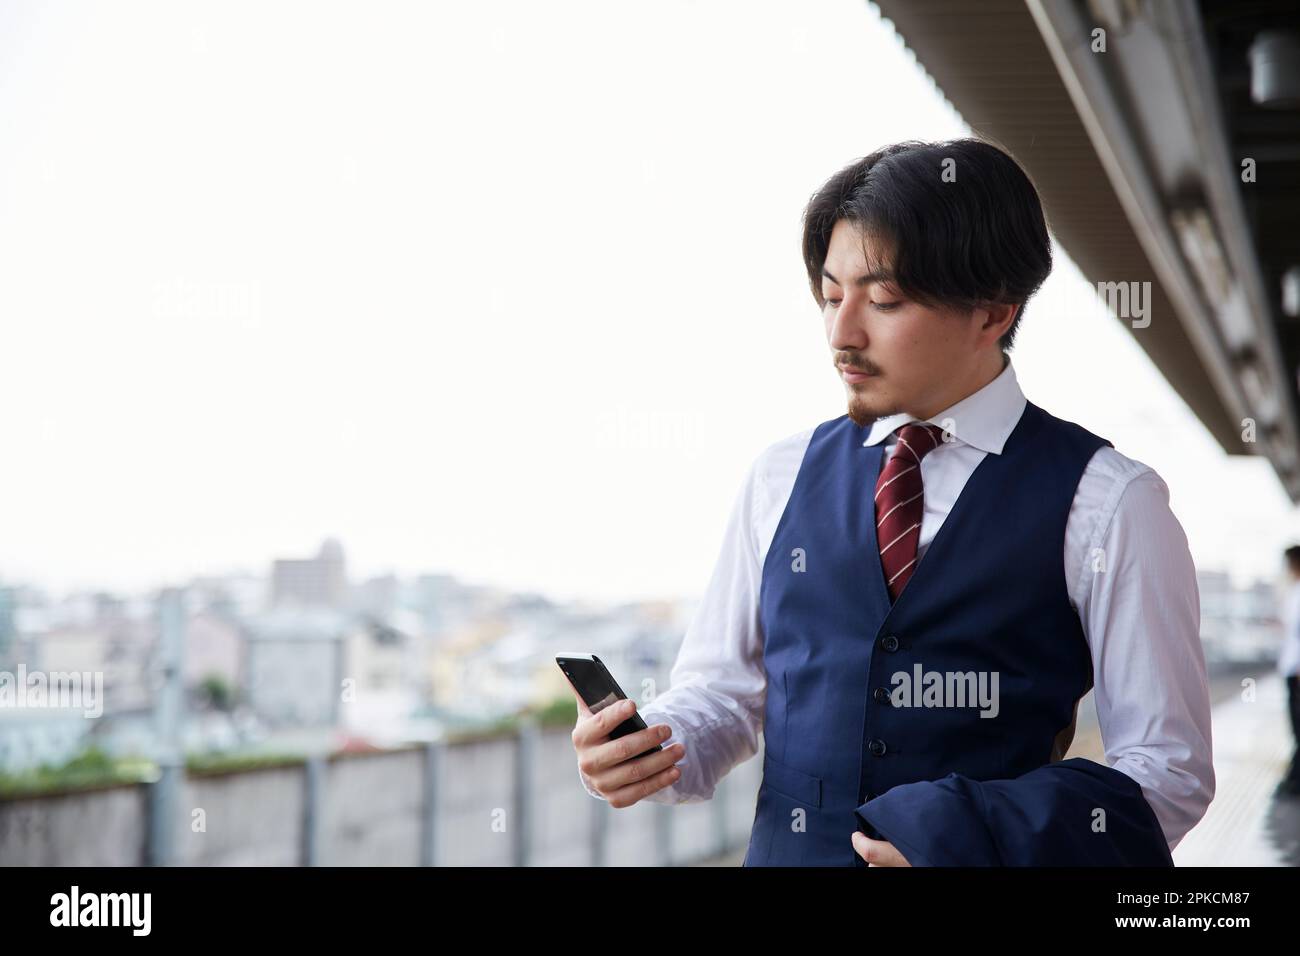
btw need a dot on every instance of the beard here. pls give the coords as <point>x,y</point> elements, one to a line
<point>865,409</point>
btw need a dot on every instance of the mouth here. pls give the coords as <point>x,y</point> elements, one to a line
<point>853,375</point>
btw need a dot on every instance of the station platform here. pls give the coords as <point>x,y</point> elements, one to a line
<point>1246,825</point>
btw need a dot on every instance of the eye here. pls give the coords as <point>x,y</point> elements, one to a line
<point>833,303</point>
<point>886,306</point>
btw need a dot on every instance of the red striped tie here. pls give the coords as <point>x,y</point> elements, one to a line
<point>899,505</point>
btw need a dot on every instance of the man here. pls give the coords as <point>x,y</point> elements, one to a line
<point>1288,665</point>
<point>912,598</point>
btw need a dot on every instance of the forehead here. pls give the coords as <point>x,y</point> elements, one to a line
<point>855,253</point>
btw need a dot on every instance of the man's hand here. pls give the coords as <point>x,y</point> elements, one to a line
<point>608,765</point>
<point>877,852</point>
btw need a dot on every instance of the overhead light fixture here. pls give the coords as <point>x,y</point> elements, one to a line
<point>1196,236</point>
<point>1291,291</point>
<point>1115,14</point>
<point>1274,57</point>
<point>1260,395</point>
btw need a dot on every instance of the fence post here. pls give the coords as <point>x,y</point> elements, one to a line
<point>168,717</point>
<point>313,800</point>
<point>433,751</point>
<point>525,790</point>
<point>663,822</point>
<point>721,817</point>
<point>160,840</point>
<point>598,830</point>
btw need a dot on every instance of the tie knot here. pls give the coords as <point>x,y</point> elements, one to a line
<point>917,439</point>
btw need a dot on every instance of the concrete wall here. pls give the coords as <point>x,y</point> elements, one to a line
<point>252,818</point>
<point>513,800</point>
<point>96,828</point>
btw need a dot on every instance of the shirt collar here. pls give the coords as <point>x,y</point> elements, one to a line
<point>983,419</point>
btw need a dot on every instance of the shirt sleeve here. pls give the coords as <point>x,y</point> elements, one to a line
<point>1143,619</point>
<point>718,684</point>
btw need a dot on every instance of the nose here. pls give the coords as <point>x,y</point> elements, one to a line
<point>845,329</point>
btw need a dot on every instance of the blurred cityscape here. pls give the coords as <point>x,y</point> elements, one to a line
<point>303,660</point>
<point>299,717</point>
<point>294,714</point>
<point>300,660</point>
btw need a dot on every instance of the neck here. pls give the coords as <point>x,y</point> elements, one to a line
<point>984,373</point>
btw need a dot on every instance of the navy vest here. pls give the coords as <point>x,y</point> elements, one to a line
<point>989,595</point>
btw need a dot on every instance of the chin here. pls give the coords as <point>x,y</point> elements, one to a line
<point>860,413</point>
<point>863,411</point>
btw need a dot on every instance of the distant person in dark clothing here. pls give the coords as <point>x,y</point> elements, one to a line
<point>1288,665</point>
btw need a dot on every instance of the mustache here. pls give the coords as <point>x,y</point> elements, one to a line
<point>846,363</point>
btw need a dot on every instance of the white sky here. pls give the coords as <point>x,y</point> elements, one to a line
<point>395,272</point>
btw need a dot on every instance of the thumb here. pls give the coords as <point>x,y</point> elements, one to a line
<point>583,709</point>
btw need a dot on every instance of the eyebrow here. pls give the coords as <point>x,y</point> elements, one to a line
<point>878,275</point>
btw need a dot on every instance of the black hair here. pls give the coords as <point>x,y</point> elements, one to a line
<point>976,235</point>
<point>1293,557</point>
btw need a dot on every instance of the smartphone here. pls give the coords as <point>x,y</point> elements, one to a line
<point>593,681</point>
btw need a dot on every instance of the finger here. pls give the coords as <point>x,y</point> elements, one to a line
<point>873,851</point>
<point>877,852</point>
<point>583,709</point>
<point>897,856</point>
<point>630,773</point>
<point>595,728</point>
<point>888,855</point>
<point>861,846</point>
<point>626,796</point>
<point>614,752</point>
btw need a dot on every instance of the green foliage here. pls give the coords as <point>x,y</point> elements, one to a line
<point>218,692</point>
<point>232,762</point>
<point>559,712</point>
<point>93,768</point>
<point>90,769</point>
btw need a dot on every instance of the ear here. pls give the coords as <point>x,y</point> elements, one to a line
<point>997,318</point>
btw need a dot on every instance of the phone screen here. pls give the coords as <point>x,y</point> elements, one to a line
<point>599,689</point>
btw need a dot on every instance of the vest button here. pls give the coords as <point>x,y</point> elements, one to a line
<point>877,747</point>
<point>889,642</point>
<point>882,696</point>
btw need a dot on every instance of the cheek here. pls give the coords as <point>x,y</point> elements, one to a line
<point>915,333</point>
<point>897,335</point>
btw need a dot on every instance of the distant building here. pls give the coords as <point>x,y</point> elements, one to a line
<point>295,665</point>
<point>311,582</point>
<point>8,625</point>
<point>122,651</point>
<point>378,596</point>
<point>32,736</point>
<point>214,647</point>
<point>1238,624</point>
<point>233,595</point>
<point>384,665</point>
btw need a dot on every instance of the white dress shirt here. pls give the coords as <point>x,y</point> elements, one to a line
<point>1140,612</point>
<point>1288,661</point>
